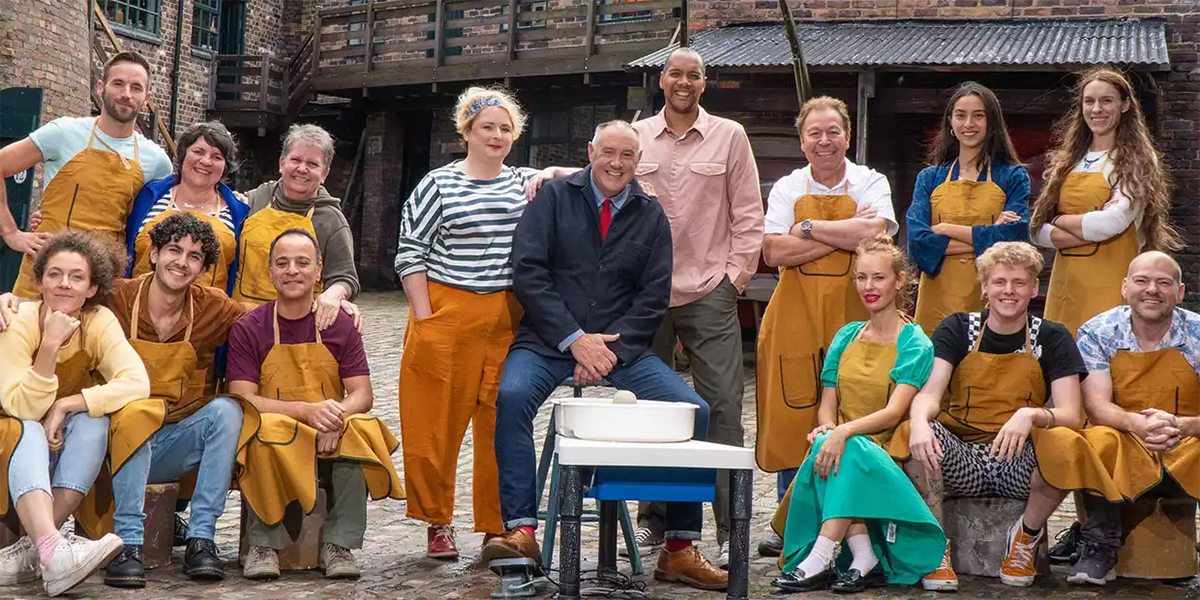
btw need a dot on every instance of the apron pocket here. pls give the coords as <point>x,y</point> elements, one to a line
<point>276,429</point>
<point>798,377</point>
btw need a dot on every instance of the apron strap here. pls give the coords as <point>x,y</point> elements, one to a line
<point>187,336</point>
<point>136,312</point>
<point>124,161</point>
<point>975,334</point>
<point>275,318</point>
<point>987,171</point>
<point>308,215</point>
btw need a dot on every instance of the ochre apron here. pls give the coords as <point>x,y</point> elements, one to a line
<point>74,373</point>
<point>217,275</point>
<point>254,269</point>
<point>92,192</point>
<point>864,385</point>
<point>1086,280</point>
<point>811,303</point>
<point>1162,379</point>
<point>279,464</point>
<point>956,287</point>
<point>987,389</point>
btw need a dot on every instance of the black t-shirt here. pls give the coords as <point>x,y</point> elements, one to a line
<point>1060,356</point>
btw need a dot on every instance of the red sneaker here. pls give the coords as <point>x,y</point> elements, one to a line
<point>441,542</point>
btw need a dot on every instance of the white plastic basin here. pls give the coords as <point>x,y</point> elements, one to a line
<point>599,419</point>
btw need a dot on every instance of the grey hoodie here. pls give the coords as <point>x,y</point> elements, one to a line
<point>333,231</point>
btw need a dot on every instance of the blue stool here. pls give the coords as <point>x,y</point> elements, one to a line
<point>547,471</point>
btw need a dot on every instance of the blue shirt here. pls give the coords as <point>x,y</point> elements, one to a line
<point>1111,331</point>
<point>927,248</point>
<point>63,138</point>
<point>617,202</point>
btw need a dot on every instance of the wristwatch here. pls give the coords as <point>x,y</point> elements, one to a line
<point>806,229</point>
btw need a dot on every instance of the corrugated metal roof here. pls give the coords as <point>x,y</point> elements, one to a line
<point>1042,42</point>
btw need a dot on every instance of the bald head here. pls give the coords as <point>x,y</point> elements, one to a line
<point>1153,287</point>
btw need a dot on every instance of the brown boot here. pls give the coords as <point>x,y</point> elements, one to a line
<point>515,543</point>
<point>689,566</point>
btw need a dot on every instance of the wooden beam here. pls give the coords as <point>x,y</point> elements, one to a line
<point>590,36</point>
<point>264,82</point>
<point>866,91</point>
<point>370,35</point>
<point>511,50</point>
<point>439,32</point>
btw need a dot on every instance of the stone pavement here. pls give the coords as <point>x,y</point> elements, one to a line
<point>393,561</point>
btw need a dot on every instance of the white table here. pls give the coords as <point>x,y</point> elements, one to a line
<point>573,454</point>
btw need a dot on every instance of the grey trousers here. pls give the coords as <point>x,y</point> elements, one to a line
<point>346,521</point>
<point>712,338</point>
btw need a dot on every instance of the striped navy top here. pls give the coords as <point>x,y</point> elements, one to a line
<point>459,231</point>
<point>225,216</point>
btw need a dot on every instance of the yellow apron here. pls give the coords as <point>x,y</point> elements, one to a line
<point>987,389</point>
<point>1086,280</point>
<point>218,275</point>
<point>864,385</point>
<point>956,287</point>
<point>254,269</point>
<point>279,464</point>
<point>74,373</point>
<point>810,304</point>
<point>92,192</point>
<point>1162,379</point>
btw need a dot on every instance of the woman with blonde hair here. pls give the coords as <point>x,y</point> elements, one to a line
<point>455,263</point>
<point>1106,198</point>
<point>848,489</point>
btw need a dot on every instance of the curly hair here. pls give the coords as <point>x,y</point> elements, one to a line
<point>1013,254</point>
<point>906,276</point>
<point>997,145</point>
<point>1137,168</point>
<point>181,224</point>
<point>105,260</point>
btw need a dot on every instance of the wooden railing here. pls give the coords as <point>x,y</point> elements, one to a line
<point>147,126</point>
<point>250,82</point>
<point>422,41</point>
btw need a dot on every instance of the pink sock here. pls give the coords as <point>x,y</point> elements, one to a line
<point>46,546</point>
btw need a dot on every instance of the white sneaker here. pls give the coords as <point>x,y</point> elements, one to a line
<point>19,562</point>
<point>723,556</point>
<point>647,541</point>
<point>75,559</point>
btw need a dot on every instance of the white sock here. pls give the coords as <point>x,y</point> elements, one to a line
<point>819,558</point>
<point>864,558</point>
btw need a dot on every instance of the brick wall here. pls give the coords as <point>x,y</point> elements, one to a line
<point>43,43</point>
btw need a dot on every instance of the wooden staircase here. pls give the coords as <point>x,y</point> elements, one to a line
<point>260,91</point>
<point>147,124</point>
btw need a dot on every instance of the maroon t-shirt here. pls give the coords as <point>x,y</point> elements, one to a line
<point>251,338</point>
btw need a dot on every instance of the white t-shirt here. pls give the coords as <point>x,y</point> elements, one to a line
<point>867,187</point>
<point>63,138</point>
<point>1100,225</point>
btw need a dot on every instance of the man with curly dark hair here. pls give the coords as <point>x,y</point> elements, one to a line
<point>176,326</point>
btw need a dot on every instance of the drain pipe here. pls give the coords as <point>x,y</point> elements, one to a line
<point>175,66</point>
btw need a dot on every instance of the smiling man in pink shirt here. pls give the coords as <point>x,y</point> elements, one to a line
<point>704,172</point>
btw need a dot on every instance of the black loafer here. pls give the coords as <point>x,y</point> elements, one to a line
<point>853,581</point>
<point>126,570</point>
<point>797,581</point>
<point>200,561</point>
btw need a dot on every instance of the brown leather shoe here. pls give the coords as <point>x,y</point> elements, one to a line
<point>515,543</point>
<point>689,566</point>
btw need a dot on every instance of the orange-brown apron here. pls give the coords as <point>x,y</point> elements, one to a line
<point>92,192</point>
<point>279,464</point>
<point>811,303</point>
<point>956,287</point>
<point>217,275</point>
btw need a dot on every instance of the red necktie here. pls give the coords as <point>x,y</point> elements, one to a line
<point>605,218</point>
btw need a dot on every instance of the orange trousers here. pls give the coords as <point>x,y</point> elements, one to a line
<point>449,376</point>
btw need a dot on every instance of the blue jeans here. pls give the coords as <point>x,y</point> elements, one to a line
<point>74,467</point>
<point>206,439</point>
<point>783,480</point>
<point>527,380</point>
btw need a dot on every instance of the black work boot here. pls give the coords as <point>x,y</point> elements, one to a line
<point>126,570</point>
<point>180,538</point>
<point>200,560</point>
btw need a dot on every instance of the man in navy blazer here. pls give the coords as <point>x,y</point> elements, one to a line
<point>592,269</point>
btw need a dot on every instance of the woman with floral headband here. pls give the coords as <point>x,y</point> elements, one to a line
<point>454,260</point>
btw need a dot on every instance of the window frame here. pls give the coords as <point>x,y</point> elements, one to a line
<point>211,8</point>
<point>153,11</point>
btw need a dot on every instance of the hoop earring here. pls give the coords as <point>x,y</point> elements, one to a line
<point>952,134</point>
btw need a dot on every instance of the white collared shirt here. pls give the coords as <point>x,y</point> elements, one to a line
<point>867,187</point>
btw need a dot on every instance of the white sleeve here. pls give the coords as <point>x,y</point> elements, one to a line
<point>1100,225</point>
<point>1041,237</point>
<point>878,195</point>
<point>781,211</point>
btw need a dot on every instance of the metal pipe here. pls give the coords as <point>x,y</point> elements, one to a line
<point>175,66</point>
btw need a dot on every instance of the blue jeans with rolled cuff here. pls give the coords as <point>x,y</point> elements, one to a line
<point>74,467</point>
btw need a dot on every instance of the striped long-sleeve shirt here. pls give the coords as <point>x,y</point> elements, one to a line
<point>459,231</point>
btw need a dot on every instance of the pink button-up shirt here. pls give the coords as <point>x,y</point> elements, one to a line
<point>707,182</point>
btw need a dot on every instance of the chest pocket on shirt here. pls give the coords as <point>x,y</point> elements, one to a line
<point>645,168</point>
<point>630,261</point>
<point>714,175</point>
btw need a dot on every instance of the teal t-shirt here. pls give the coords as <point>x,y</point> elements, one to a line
<point>61,139</point>
<point>914,355</point>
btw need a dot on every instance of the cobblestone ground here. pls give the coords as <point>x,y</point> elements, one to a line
<point>393,561</point>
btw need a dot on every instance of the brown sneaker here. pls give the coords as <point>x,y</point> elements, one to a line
<point>689,566</point>
<point>515,543</point>
<point>440,542</point>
